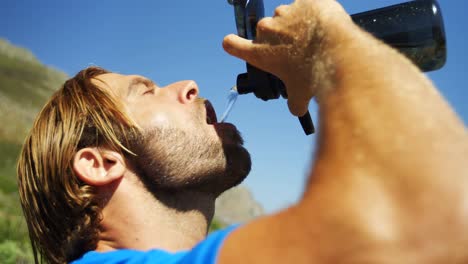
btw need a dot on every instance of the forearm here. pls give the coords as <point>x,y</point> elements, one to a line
<point>381,108</point>
<point>389,171</point>
<point>390,167</point>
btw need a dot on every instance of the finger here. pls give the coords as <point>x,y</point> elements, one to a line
<point>262,56</point>
<point>265,24</point>
<point>298,106</point>
<point>238,47</point>
<point>282,10</point>
<point>267,31</point>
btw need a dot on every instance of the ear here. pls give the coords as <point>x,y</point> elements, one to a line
<point>98,168</point>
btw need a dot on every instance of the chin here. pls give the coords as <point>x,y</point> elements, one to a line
<point>175,159</point>
<point>228,134</point>
<point>238,166</point>
<point>234,165</point>
<point>238,161</point>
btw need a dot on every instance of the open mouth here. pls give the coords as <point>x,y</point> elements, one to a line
<point>210,113</point>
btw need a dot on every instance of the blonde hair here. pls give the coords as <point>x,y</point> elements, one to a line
<point>62,212</point>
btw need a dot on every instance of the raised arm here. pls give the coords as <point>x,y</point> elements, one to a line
<point>389,183</point>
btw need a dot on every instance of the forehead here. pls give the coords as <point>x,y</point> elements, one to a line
<point>114,82</point>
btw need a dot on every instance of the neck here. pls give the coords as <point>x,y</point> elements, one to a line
<point>170,221</point>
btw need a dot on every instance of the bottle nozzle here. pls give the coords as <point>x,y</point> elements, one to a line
<point>242,85</point>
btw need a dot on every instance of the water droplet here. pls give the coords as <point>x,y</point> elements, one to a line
<point>232,97</point>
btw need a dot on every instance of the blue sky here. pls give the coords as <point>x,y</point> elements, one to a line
<point>169,41</point>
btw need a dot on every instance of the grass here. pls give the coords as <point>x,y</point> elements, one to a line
<point>8,156</point>
<point>14,240</point>
<point>25,85</point>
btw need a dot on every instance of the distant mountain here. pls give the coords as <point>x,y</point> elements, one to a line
<point>25,85</point>
<point>237,205</point>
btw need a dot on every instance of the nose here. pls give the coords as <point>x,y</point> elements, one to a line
<point>186,91</point>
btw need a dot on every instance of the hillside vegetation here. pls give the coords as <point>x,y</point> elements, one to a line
<point>25,85</point>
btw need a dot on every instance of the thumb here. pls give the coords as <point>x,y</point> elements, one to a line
<point>298,106</point>
<point>239,47</point>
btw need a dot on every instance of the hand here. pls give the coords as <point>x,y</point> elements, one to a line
<point>294,45</point>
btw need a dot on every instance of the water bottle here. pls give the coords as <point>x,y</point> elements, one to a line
<point>415,28</point>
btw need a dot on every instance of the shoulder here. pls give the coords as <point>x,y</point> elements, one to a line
<point>130,256</point>
<point>205,252</point>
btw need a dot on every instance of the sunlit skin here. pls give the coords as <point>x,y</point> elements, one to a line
<point>389,181</point>
<point>132,217</point>
<point>151,105</point>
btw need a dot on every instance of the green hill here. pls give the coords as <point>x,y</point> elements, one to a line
<point>25,85</point>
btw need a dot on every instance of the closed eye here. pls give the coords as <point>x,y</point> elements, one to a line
<point>149,91</point>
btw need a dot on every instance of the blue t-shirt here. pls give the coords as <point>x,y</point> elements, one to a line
<point>206,252</point>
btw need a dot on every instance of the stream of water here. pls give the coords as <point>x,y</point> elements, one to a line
<point>232,97</point>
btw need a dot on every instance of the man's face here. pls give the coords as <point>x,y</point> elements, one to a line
<point>182,146</point>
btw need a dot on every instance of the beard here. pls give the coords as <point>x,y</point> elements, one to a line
<point>171,160</point>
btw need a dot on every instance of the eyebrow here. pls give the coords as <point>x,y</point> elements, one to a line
<point>136,81</point>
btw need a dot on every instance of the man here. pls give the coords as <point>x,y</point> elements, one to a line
<point>118,170</point>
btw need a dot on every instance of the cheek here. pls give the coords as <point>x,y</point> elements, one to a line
<point>159,120</point>
<point>167,115</point>
<point>148,118</point>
